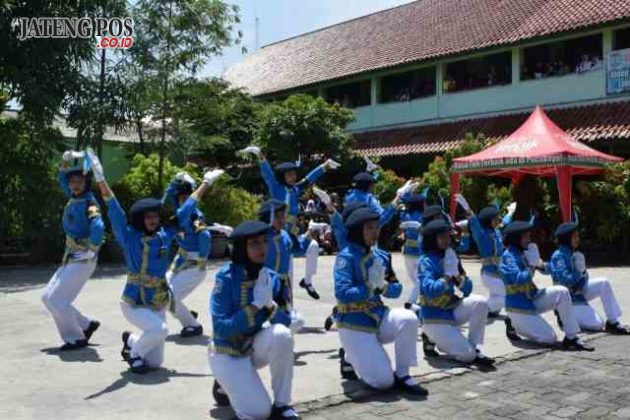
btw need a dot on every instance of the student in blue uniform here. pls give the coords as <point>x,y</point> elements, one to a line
<point>280,254</point>
<point>524,302</point>
<point>446,301</point>
<point>486,234</point>
<point>411,224</point>
<point>568,268</point>
<point>362,191</point>
<point>284,185</point>
<point>84,228</point>
<point>363,275</point>
<point>193,238</point>
<point>251,330</point>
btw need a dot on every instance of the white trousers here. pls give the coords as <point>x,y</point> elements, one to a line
<point>62,289</point>
<point>496,287</point>
<point>586,316</point>
<point>365,350</point>
<point>272,346</point>
<point>449,338</point>
<point>149,344</point>
<point>411,266</point>
<point>534,326</point>
<point>311,256</point>
<point>182,284</point>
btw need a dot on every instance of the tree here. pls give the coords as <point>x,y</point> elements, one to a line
<point>304,126</point>
<point>179,36</point>
<point>214,120</point>
<point>40,72</point>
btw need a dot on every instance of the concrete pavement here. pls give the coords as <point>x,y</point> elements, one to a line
<point>94,383</point>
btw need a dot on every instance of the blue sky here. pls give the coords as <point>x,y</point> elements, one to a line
<point>281,19</point>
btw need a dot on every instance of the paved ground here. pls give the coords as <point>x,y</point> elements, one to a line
<point>93,383</point>
<point>551,385</point>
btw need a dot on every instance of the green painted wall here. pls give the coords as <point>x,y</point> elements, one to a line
<point>116,158</point>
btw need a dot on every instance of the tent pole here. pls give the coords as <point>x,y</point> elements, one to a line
<point>564,181</point>
<point>454,190</point>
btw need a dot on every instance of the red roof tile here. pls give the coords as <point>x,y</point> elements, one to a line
<point>418,31</point>
<point>585,123</point>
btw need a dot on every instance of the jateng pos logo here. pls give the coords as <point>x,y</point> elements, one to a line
<point>108,32</point>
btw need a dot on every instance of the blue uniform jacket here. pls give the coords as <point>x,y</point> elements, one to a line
<point>359,307</point>
<point>489,244</point>
<point>235,320</point>
<point>82,221</point>
<point>413,237</point>
<point>520,290</point>
<point>279,254</point>
<point>373,204</point>
<point>190,232</point>
<point>437,292</point>
<point>289,194</point>
<point>146,258</point>
<point>563,272</point>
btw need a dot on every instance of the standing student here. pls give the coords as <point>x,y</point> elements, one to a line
<point>84,228</point>
<point>283,184</point>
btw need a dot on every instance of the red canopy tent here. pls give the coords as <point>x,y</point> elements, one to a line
<point>539,147</point>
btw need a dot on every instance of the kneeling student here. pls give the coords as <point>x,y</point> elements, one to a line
<point>250,331</point>
<point>442,310</point>
<point>568,268</point>
<point>363,321</point>
<point>524,302</point>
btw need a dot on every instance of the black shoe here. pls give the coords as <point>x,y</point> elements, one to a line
<point>328,323</point>
<point>284,412</point>
<point>194,314</point>
<point>493,315</point>
<point>414,389</point>
<point>617,328</point>
<point>219,395</point>
<point>558,319</point>
<point>510,331</point>
<point>309,289</point>
<point>126,350</point>
<point>137,365</point>
<point>575,344</point>
<point>79,344</point>
<point>428,346</point>
<point>191,331</point>
<point>483,360</point>
<point>345,368</point>
<point>90,329</point>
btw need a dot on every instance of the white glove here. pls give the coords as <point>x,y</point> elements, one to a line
<point>511,208</point>
<point>451,263</point>
<point>68,155</point>
<point>262,290</point>
<point>579,261</point>
<point>332,164</point>
<point>376,275</point>
<point>410,224</point>
<point>185,177</point>
<point>211,176</point>
<point>97,167</point>
<point>409,187</point>
<point>462,202</point>
<point>254,150</point>
<point>370,166</point>
<point>323,196</point>
<point>226,230</point>
<point>316,227</point>
<point>532,255</point>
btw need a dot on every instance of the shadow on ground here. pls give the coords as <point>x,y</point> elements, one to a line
<point>154,377</point>
<point>86,354</point>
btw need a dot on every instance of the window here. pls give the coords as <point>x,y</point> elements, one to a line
<point>491,70</point>
<point>407,86</point>
<point>621,39</point>
<point>578,55</point>
<point>350,95</point>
